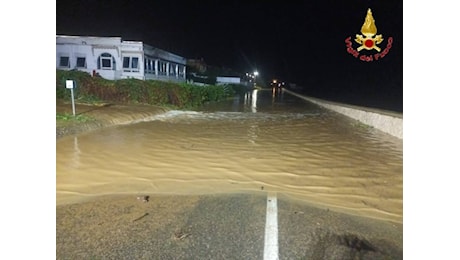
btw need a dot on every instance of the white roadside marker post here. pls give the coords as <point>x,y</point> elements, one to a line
<point>70,84</point>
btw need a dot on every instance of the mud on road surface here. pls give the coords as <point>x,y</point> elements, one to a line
<point>101,115</point>
<point>226,226</point>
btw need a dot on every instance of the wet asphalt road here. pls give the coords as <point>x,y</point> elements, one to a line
<point>228,226</point>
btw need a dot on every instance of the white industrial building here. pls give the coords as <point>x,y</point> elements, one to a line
<point>112,58</point>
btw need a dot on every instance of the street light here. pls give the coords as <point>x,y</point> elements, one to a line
<point>256,73</point>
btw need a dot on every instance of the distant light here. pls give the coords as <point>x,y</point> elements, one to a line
<point>274,81</point>
<point>256,73</point>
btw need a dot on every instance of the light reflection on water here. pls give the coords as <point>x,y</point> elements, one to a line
<point>268,141</point>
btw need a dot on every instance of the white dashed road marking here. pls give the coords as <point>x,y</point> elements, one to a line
<point>271,229</point>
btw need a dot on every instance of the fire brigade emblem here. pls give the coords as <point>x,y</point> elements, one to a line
<point>369,39</point>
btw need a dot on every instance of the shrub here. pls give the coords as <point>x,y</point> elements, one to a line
<point>180,95</point>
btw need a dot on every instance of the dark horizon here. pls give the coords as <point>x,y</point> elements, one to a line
<point>302,43</point>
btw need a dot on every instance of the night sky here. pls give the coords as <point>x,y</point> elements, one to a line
<point>297,42</point>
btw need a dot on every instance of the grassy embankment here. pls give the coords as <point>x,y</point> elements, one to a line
<point>97,91</point>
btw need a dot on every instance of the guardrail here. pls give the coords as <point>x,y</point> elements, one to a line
<point>386,121</point>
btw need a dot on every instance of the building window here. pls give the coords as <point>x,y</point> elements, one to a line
<point>106,62</point>
<point>81,62</point>
<point>125,62</point>
<point>172,69</point>
<point>64,62</point>
<point>148,65</point>
<point>162,68</point>
<point>131,64</point>
<point>135,63</point>
<point>181,71</point>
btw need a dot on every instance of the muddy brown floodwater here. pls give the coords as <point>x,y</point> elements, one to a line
<point>265,140</point>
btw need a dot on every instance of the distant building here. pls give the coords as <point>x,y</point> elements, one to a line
<point>112,58</point>
<point>228,80</point>
<point>196,65</point>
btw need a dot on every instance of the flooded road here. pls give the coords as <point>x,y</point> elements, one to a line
<point>265,141</point>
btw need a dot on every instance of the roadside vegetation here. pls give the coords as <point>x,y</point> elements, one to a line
<point>65,119</point>
<point>94,90</point>
<point>97,91</point>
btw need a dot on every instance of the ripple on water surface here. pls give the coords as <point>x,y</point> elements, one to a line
<point>315,156</point>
